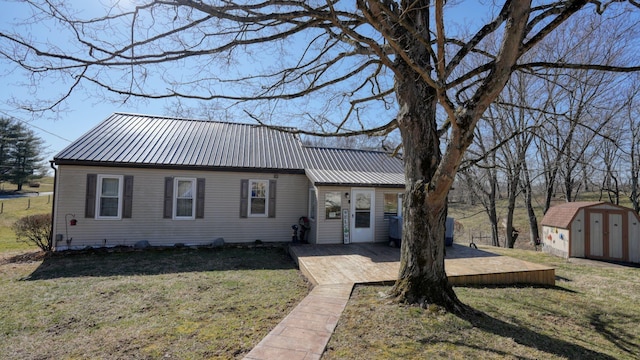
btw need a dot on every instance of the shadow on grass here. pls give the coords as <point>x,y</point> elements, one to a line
<point>605,324</point>
<point>532,339</point>
<point>155,262</point>
<point>519,286</point>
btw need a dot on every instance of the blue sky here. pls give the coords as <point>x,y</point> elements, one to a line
<point>83,110</point>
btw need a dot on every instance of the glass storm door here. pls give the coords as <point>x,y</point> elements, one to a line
<point>362,215</point>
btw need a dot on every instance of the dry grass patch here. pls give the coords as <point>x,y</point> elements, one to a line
<point>14,209</point>
<point>214,304</point>
<point>592,313</point>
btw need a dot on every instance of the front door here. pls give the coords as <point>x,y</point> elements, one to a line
<point>362,215</point>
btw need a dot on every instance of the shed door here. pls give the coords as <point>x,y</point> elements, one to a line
<point>596,235</point>
<point>615,236</point>
<point>607,235</point>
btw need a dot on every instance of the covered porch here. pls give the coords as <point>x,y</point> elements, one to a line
<point>376,263</point>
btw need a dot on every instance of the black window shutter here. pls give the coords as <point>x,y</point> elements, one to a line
<point>127,200</point>
<point>90,199</point>
<point>168,198</point>
<point>244,198</point>
<point>272,198</point>
<point>200,198</point>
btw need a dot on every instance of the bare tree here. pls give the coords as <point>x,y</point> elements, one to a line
<point>631,116</point>
<point>480,173</point>
<point>359,59</point>
<point>515,113</point>
<point>582,103</point>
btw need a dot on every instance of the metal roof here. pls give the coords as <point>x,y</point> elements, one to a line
<point>156,142</point>
<point>330,166</point>
<point>142,140</point>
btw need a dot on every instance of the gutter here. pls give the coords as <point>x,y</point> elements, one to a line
<point>53,203</point>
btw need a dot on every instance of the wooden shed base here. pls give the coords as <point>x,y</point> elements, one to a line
<point>375,263</point>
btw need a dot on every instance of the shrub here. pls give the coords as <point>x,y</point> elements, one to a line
<point>35,229</point>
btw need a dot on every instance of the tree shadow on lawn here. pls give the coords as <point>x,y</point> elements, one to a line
<point>605,324</point>
<point>155,262</point>
<point>532,339</point>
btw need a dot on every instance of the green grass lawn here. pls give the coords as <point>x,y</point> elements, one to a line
<point>592,313</point>
<point>14,209</point>
<point>178,304</point>
<point>45,185</point>
<point>218,304</point>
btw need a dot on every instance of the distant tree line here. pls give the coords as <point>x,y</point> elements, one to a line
<point>560,134</point>
<point>20,153</point>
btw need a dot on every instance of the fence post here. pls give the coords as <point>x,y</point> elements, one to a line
<point>28,204</point>
<point>1,207</point>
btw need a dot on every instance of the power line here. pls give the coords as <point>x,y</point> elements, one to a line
<point>37,127</point>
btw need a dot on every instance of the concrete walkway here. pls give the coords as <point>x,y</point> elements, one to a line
<point>305,332</point>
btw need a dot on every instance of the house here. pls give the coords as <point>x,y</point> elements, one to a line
<point>595,230</point>
<point>167,181</point>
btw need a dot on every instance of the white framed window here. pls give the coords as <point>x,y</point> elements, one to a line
<point>109,197</point>
<point>258,197</point>
<point>313,204</point>
<point>184,202</point>
<point>333,205</point>
<point>392,205</point>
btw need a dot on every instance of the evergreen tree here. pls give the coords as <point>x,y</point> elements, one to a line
<point>20,151</point>
<point>9,132</point>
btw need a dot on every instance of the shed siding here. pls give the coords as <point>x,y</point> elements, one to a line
<point>634,238</point>
<point>576,246</point>
<point>556,241</point>
<point>221,209</point>
<point>597,230</point>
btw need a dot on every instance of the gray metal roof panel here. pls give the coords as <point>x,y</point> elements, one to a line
<point>330,166</point>
<point>153,140</point>
<point>355,178</point>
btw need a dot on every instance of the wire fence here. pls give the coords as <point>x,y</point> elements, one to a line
<point>37,204</point>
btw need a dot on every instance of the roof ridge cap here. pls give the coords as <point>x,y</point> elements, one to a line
<point>167,117</point>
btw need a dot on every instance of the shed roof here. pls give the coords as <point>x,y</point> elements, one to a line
<point>154,141</point>
<point>562,215</point>
<point>348,167</point>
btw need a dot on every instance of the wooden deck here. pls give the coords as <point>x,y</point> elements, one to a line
<point>374,263</point>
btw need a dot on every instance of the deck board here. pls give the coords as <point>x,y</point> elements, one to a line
<point>375,263</point>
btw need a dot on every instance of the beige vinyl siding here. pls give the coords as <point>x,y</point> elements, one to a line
<point>312,236</point>
<point>382,224</point>
<point>329,231</point>
<point>221,212</point>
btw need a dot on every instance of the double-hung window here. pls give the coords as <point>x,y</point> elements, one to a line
<point>109,199</point>
<point>258,197</point>
<point>184,204</point>
<point>392,205</point>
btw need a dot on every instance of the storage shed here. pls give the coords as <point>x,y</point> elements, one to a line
<point>594,230</point>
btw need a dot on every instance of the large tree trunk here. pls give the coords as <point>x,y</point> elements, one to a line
<point>422,278</point>
<point>429,174</point>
